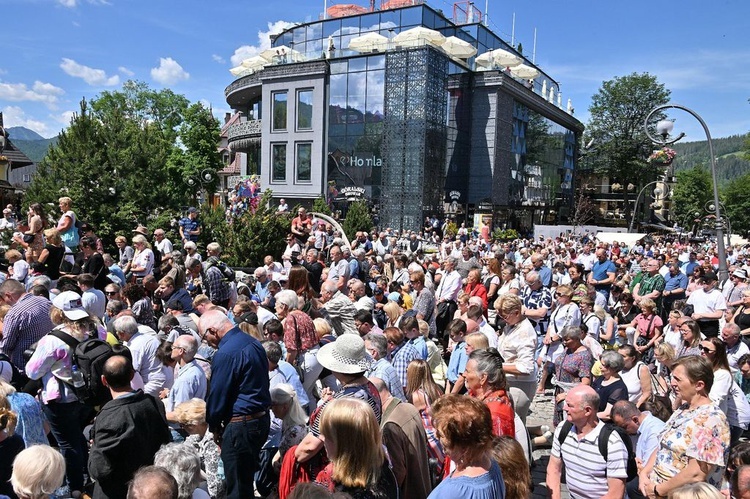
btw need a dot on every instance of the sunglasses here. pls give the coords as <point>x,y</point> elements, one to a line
<point>110,293</point>
<point>706,350</point>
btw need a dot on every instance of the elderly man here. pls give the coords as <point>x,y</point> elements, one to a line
<point>237,409</point>
<point>730,334</point>
<point>377,346</point>
<point>651,285</point>
<point>314,269</point>
<point>644,427</point>
<point>143,349</point>
<point>382,246</point>
<point>26,322</point>
<point>674,288</point>
<point>357,293</point>
<point>338,309</point>
<point>733,293</point>
<point>545,273</point>
<point>261,286</point>
<point>708,305</point>
<point>164,246</point>
<point>588,473</point>
<point>446,295</point>
<point>467,262</point>
<point>190,380</point>
<point>339,270</point>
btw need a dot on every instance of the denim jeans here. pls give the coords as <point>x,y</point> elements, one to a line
<point>65,424</point>
<point>240,453</point>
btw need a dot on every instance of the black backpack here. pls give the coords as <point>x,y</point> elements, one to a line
<point>89,356</point>
<point>632,466</point>
<point>18,380</point>
<point>227,272</point>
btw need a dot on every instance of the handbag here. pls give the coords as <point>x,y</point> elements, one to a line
<point>29,238</point>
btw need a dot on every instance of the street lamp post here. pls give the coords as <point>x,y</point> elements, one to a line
<point>663,128</point>
<point>657,192</point>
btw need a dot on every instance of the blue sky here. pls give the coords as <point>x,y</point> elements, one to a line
<point>54,52</point>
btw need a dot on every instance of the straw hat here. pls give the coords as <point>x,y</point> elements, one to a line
<point>346,355</point>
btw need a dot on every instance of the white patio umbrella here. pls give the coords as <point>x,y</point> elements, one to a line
<point>458,48</point>
<point>369,42</point>
<point>506,59</point>
<point>485,60</point>
<point>525,72</point>
<point>240,71</point>
<point>277,54</point>
<point>417,36</point>
<point>255,63</point>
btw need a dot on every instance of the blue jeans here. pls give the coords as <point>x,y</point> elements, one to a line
<point>65,424</point>
<point>240,453</point>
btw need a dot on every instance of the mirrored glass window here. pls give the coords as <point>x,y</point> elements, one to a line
<point>278,162</point>
<point>279,111</point>
<point>304,109</point>
<point>304,162</point>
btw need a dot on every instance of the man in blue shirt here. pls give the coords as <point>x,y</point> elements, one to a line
<point>692,262</point>
<point>237,409</point>
<point>602,274</point>
<point>545,273</point>
<point>459,357</point>
<point>674,289</point>
<point>190,226</point>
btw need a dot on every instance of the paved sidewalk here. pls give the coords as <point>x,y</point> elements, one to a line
<point>540,412</point>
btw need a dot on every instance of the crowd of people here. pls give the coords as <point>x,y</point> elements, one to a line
<point>390,366</point>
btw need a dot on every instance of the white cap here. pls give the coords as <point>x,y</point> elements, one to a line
<point>70,303</point>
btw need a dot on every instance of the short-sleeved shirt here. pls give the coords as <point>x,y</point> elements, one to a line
<point>586,470</point>
<point>188,225</point>
<point>701,434</point>
<point>458,361</point>
<point>600,270</point>
<point>645,326</point>
<point>648,437</point>
<point>299,332</point>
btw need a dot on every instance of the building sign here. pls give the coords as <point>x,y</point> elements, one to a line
<point>361,160</point>
<point>353,193</point>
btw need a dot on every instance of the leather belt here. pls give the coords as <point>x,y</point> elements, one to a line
<point>247,417</point>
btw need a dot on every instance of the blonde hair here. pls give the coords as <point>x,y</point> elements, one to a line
<point>4,309</point>
<point>37,472</point>
<point>53,236</point>
<point>478,341</point>
<point>250,329</point>
<point>351,427</point>
<point>698,490</point>
<point>507,304</point>
<point>66,201</point>
<point>322,327</point>
<point>393,311</point>
<point>564,290</point>
<point>192,411</point>
<point>140,238</point>
<point>649,304</point>
<point>424,328</point>
<point>11,254</point>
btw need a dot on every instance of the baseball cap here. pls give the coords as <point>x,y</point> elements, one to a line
<point>192,209</point>
<point>70,303</point>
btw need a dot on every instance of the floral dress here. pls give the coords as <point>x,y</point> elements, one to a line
<point>570,369</point>
<point>701,433</point>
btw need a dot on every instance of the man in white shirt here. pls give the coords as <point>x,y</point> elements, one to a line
<point>708,305</point>
<point>164,246</point>
<point>93,299</point>
<point>143,350</point>
<point>730,334</point>
<point>339,270</point>
<point>446,295</point>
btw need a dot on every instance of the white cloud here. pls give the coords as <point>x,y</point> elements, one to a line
<point>125,71</point>
<point>15,116</point>
<point>169,72</point>
<point>72,4</point>
<point>94,77</point>
<point>218,58</point>
<point>264,42</point>
<point>45,93</point>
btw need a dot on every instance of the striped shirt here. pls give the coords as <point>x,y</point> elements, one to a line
<point>27,321</point>
<point>585,469</point>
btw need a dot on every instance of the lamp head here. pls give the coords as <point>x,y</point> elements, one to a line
<point>658,192</point>
<point>664,128</point>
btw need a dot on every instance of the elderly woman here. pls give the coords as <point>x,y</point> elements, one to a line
<point>37,472</point>
<point>609,386</point>
<point>143,259</point>
<point>66,226</point>
<point>353,442</point>
<point>18,268</point>
<point>645,330</point>
<point>425,303</point>
<point>192,418</point>
<point>52,362</point>
<point>464,425</point>
<point>474,286</point>
<point>300,339</point>
<point>184,464</point>
<point>691,338</point>
<point>286,407</point>
<point>573,367</point>
<point>671,330</point>
<point>510,283</point>
<point>566,314</point>
<point>694,443</point>
<point>125,253</point>
<point>517,345</point>
<point>608,331</point>
<point>485,380</point>
<point>636,375</point>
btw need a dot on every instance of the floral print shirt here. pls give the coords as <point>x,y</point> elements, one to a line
<point>210,463</point>
<point>701,433</point>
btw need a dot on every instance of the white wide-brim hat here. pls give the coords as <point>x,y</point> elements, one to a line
<point>346,355</point>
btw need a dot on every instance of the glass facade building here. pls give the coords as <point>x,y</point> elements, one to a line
<point>412,125</point>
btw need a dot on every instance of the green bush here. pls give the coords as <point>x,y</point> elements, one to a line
<point>358,218</point>
<point>320,206</point>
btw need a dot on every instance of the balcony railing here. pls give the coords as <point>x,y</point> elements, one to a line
<point>239,83</point>
<point>244,135</point>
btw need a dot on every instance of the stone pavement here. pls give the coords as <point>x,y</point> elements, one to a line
<point>540,412</point>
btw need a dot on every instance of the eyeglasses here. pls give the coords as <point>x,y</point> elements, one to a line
<point>706,350</point>
<point>208,331</point>
<point>110,293</point>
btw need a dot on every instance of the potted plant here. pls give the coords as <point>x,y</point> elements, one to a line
<point>662,157</point>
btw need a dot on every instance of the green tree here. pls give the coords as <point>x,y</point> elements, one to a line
<point>693,189</point>
<point>618,111</point>
<point>320,206</point>
<point>737,202</point>
<point>119,161</point>
<point>358,218</point>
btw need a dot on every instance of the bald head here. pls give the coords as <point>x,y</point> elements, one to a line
<point>118,372</point>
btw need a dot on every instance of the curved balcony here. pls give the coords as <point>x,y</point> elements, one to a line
<point>244,136</point>
<point>242,90</point>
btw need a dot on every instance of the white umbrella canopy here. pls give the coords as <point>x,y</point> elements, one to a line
<point>368,42</point>
<point>275,53</point>
<point>417,36</point>
<point>458,48</point>
<point>240,71</point>
<point>524,71</point>
<point>254,63</point>
<point>498,58</point>
<point>485,60</point>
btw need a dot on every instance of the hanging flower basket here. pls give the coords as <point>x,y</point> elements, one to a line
<point>663,156</point>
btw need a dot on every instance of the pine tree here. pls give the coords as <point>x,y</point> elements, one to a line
<point>358,218</point>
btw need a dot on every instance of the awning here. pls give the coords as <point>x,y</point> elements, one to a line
<point>629,238</point>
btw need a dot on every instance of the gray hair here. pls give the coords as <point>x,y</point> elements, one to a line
<point>213,247</point>
<point>289,298</point>
<point>261,271</point>
<point>571,332</point>
<point>273,351</point>
<point>184,463</point>
<point>114,307</point>
<point>126,324</point>
<point>613,359</point>
<point>379,343</point>
<point>188,344</point>
<point>313,252</point>
<point>532,277</point>
<point>359,252</point>
<point>329,286</point>
<point>732,328</point>
<point>284,394</point>
<point>490,362</point>
<point>42,280</point>
<point>624,409</point>
<point>452,260</point>
<point>192,263</point>
<point>167,320</point>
